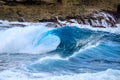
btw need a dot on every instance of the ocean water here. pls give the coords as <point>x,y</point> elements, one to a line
<point>72,52</point>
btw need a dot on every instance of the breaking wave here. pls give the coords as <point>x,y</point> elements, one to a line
<point>64,53</point>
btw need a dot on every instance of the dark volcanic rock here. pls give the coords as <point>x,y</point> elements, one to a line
<point>98,26</point>
<point>21,19</point>
<point>48,20</point>
<point>39,9</point>
<point>5,26</point>
<point>18,25</point>
<point>52,24</point>
<point>118,8</point>
<point>83,11</point>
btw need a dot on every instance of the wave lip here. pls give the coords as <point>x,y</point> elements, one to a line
<point>23,39</point>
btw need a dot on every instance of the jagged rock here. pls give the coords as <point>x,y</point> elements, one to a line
<point>89,21</point>
<point>20,25</point>
<point>118,8</point>
<point>70,8</point>
<point>98,19</point>
<point>112,23</point>
<point>5,26</point>
<point>98,26</point>
<point>79,21</point>
<point>34,1</point>
<point>50,1</point>
<point>60,18</point>
<point>2,2</point>
<point>51,24</point>
<point>82,20</point>
<point>48,20</point>
<point>20,0</point>
<point>16,0</point>
<point>21,19</point>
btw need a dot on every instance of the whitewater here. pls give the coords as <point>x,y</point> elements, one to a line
<point>70,52</point>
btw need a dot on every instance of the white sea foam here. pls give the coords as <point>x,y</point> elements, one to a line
<point>87,46</point>
<point>22,39</point>
<point>109,74</point>
<point>104,23</point>
<point>115,30</point>
<point>75,23</point>
<point>25,40</point>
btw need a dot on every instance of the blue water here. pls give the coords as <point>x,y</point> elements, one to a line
<point>101,56</point>
<point>78,53</point>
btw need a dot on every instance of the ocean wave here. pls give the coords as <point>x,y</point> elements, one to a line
<point>72,52</point>
<point>109,74</point>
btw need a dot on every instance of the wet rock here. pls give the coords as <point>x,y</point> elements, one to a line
<point>69,8</point>
<point>70,17</point>
<point>99,26</point>
<point>89,21</point>
<point>2,2</point>
<point>70,21</point>
<point>19,13</point>
<point>112,23</point>
<point>79,21</point>
<point>43,20</point>
<point>8,1</point>
<point>99,19</point>
<point>5,26</point>
<point>12,25</point>
<point>82,20</point>
<point>21,19</point>
<point>60,18</point>
<point>17,25</point>
<point>59,1</point>
<point>118,8</point>
<point>48,20</point>
<point>21,0</point>
<point>51,24</point>
<point>50,1</point>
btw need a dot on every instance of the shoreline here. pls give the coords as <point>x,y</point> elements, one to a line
<point>101,19</point>
<point>48,10</point>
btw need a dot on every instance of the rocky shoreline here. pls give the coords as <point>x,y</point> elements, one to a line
<point>101,19</point>
<point>89,12</point>
<point>35,10</point>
